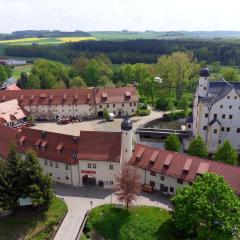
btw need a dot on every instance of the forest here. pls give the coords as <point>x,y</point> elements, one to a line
<point>226,52</point>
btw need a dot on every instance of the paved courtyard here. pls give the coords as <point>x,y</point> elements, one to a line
<point>95,125</point>
<point>78,201</point>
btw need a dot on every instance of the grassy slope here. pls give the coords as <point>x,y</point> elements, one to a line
<point>34,225</point>
<point>17,70</point>
<point>141,223</point>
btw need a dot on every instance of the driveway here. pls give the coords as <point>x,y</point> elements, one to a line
<point>78,201</point>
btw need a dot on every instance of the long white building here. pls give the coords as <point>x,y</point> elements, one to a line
<point>216,112</point>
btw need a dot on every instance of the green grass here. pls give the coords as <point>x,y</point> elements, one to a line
<point>34,225</point>
<point>140,223</point>
<point>17,70</point>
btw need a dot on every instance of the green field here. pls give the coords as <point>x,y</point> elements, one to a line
<point>140,223</point>
<point>34,225</point>
<point>17,70</point>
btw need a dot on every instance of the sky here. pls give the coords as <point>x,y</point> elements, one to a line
<point>134,15</point>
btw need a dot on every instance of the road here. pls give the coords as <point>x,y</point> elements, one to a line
<point>78,201</point>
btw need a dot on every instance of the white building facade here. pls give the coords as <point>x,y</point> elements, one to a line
<point>216,112</point>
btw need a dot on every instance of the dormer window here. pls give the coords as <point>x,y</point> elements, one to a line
<point>21,140</point>
<point>202,168</point>
<point>187,166</point>
<point>104,96</point>
<point>59,147</point>
<point>153,158</point>
<point>43,95</point>
<point>140,154</point>
<point>167,161</point>
<point>44,144</point>
<point>37,143</point>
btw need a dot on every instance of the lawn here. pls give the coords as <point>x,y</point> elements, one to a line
<point>17,70</point>
<point>34,225</point>
<point>140,223</point>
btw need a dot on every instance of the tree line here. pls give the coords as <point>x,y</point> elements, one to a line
<point>135,51</point>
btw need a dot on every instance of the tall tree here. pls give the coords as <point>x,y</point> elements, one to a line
<point>230,74</point>
<point>226,153</point>
<point>77,82</point>
<point>177,69</point>
<point>10,180</point>
<point>209,209</point>
<point>127,185</point>
<point>172,143</point>
<point>197,148</point>
<point>37,186</point>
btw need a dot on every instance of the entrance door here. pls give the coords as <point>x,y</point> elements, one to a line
<point>89,180</point>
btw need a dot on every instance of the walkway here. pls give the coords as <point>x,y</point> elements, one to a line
<point>78,201</point>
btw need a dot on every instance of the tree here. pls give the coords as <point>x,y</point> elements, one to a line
<point>37,186</point>
<point>105,114</point>
<point>209,209</point>
<point>80,64</point>
<point>77,82</point>
<point>226,153</point>
<point>172,143</point>
<point>3,74</point>
<point>127,185</point>
<point>10,180</point>
<point>21,179</point>
<point>177,69</point>
<point>230,74</point>
<point>105,81</point>
<point>92,73</point>
<point>197,148</point>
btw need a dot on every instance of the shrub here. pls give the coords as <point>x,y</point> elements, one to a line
<point>163,103</point>
<point>143,112</point>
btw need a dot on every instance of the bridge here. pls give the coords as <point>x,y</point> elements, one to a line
<point>162,133</point>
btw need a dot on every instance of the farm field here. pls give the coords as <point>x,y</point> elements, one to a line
<point>44,41</point>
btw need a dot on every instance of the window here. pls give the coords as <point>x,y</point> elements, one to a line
<point>228,129</point>
<point>94,165</point>
<point>51,163</point>
<point>180,181</point>
<point>111,182</point>
<point>67,178</point>
<point>135,104</point>
<point>204,88</point>
<point>46,162</point>
<point>204,128</point>
<point>56,164</point>
<point>206,115</point>
<point>215,131</point>
<point>162,178</point>
<point>238,130</point>
<point>50,174</point>
<point>189,125</point>
<point>74,154</point>
<point>230,116</point>
<point>223,116</point>
<point>214,115</point>
<point>107,105</point>
<point>230,106</point>
<point>222,129</point>
<point>114,105</point>
<point>123,105</point>
<point>152,173</point>
<point>152,183</point>
<point>111,166</point>
<point>130,104</point>
<point>89,165</point>
<point>171,189</point>
<point>219,141</point>
<point>132,110</point>
<point>228,97</point>
<point>66,167</point>
<point>100,106</point>
<point>221,106</point>
<point>235,97</point>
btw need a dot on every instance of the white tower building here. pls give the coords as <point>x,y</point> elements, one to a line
<point>126,127</point>
<point>203,85</point>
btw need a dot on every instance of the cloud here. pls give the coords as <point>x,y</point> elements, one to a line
<point>119,14</point>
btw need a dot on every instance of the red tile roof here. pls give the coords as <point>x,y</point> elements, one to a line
<point>102,146</point>
<point>116,95</point>
<point>70,96</point>
<point>178,162</point>
<point>8,136</point>
<point>90,145</point>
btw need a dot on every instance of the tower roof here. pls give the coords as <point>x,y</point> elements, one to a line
<point>126,124</point>
<point>204,72</point>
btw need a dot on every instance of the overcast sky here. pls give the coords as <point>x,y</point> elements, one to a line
<point>89,15</point>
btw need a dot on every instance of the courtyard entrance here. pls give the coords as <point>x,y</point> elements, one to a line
<point>89,180</point>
